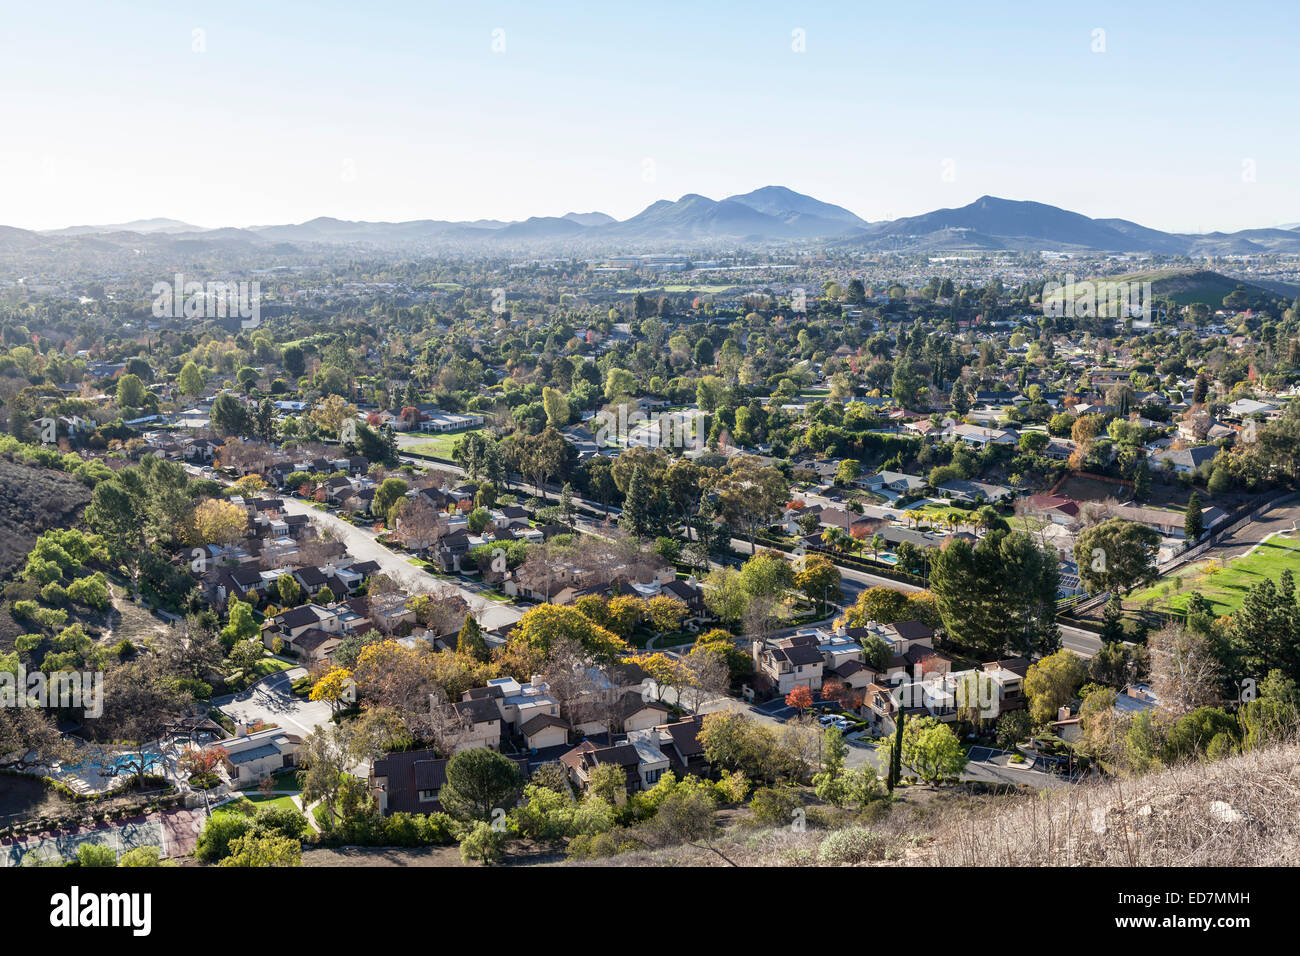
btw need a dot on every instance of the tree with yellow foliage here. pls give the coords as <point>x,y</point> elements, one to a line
<point>336,687</point>
<point>218,522</point>
<point>547,623</point>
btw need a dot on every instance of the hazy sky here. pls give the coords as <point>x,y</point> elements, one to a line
<point>282,111</point>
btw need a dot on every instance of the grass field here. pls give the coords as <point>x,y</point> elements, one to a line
<point>438,445</point>
<point>1224,588</point>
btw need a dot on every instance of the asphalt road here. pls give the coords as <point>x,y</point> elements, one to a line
<point>363,546</point>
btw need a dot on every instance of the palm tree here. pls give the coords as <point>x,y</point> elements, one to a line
<point>832,538</point>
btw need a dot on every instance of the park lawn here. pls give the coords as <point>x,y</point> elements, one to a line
<point>1226,588</point>
<point>439,446</point>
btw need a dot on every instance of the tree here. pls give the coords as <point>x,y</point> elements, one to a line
<point>470,640</point>
<point>1012,728</point>
<point>217,521</point>
<point>1265,630</point>
<point>1185,673</point>
<point>766,575</point>
<point>1142,482</point>
<point>254,849</point>
<point>557,407</point>
<point>999,596</point>
<point>880,605</point>
<point>1117,555</point>
<point>130,391</point>
<point>819,580</point>
<point>1052,682</point>
<point>847,471</point>
<point>479,782</point>
<point>484,843</point>
<point>241,625</point>
<point>932,750</point>
<point>725,594</point>
<point>229,417</point>
<point>751,495</point>
<point>800,698</point>
<point>1193,522</point>
<point>619,382</point>
<point>290,592</point>
<point>389,493</point>
<point>191,380</point>
<point>336,687</point>
<point>542,626</point>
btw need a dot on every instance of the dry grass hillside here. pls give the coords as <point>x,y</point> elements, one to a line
<point>1241,811</point>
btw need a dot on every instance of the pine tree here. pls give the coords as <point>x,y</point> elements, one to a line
<point>1142,482</point>
<point>470,642</point>
<point>896,751</point>
<point>1112,621</point>
<point>1193,523</point>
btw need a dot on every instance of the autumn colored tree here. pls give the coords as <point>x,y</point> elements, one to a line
<point>800,699</point>
<point>218,522</point>
<point>336,688</point>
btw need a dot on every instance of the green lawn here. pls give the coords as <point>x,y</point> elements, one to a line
<point>280,801</point>
<point>1224,588</point>
<point>439,446</point>
<point>269,665</point>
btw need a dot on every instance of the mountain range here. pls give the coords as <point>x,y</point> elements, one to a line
<point>770,215</point>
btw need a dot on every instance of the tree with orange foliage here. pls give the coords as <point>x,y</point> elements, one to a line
<point>800,699</point>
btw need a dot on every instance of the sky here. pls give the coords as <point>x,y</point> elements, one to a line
<point>1178,116</point>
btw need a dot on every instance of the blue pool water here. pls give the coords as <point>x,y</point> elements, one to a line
<point>121,763</point>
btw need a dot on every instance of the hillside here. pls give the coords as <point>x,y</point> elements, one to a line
<point>1240,811</point>
<point>1185,286</point>
<point>33,500</point>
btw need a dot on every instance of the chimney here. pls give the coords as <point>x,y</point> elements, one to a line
<point>241,729</point>
<point>1063,712</point>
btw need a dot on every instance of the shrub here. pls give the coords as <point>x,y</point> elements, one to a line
<point>280,821</point>
<point>851,845</point>
<point>96,855</point>
<point>774,806</point>
<point>219,832</point>
<point>140,856</point>
<point>54,593</point>
<point>90,591</point>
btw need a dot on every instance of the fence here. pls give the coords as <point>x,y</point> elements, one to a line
<point>1073,607</point>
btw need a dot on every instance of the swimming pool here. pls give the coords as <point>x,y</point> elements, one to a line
<point>119,764</point>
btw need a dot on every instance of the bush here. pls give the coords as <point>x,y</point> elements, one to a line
<point>96,855</point>
<point>90,591</point>
<point>851,845</point>
<point>54,593</point>
<point>140,856</point>
<point>775,806</point>
<point>280,821</point>
<point>221,830</point>
<point>483,842</point>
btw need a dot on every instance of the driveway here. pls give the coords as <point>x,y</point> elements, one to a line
<point>272,701</point>
<point>361,544</point>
